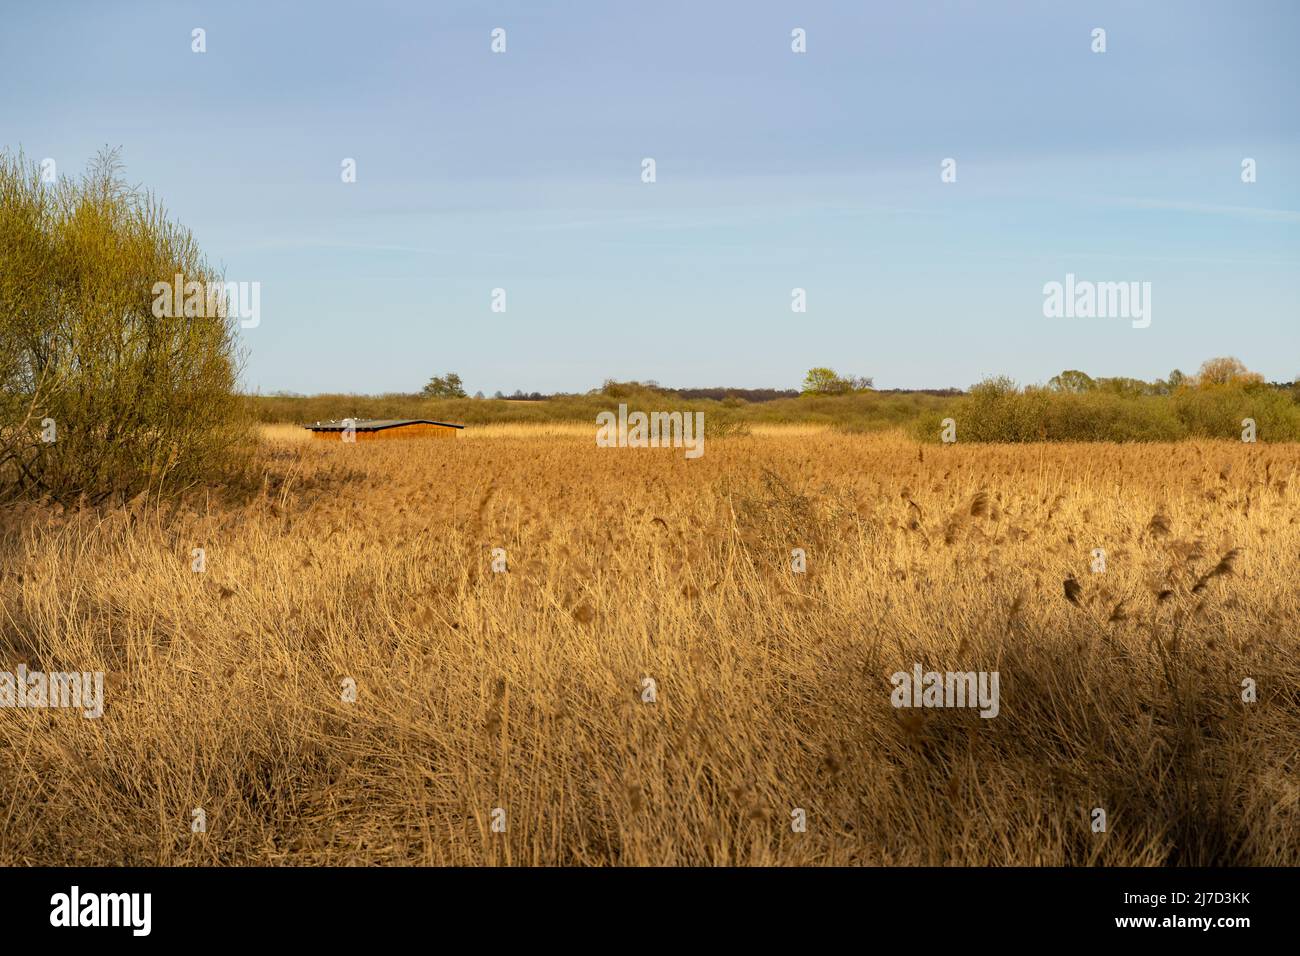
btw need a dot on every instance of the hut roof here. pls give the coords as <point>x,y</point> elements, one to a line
<point>375,424</point>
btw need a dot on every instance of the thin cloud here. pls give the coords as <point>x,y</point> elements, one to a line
<point>1211,209</point>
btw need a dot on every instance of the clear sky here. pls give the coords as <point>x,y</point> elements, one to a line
<point>775,170</point>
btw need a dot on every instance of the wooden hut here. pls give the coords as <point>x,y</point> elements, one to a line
<point>383,429</point>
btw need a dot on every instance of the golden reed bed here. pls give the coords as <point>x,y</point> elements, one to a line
<point>519,699</point>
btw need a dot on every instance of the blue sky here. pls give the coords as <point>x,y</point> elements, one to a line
<point>775,170</point>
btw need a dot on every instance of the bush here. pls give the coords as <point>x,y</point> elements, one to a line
<point>132,402</point>
<point>1217,411</point>
<point>997,411</point>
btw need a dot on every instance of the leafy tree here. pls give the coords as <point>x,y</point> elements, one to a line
<point>103,392</point>
<point>825,381</point>
<point>1225,370</point>
<point>444,386</point>
<point>1072,380</point>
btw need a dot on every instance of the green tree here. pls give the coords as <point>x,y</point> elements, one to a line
<point>825,381</point>
<point>101,393</point>
<point>444,386</point>
<point>1072,380</point>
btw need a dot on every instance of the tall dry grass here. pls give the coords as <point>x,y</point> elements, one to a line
<point>524,690</point>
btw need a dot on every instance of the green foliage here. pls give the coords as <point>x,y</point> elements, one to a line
<point>632,391</point>
<point>1072,380</point>
<point>444,386</point>
<point>825,381</point>
<point>1217,411</point>
<point>996,411</point>
<point>861,411</point>
<point>1129,387</point>
<point>134,402</point>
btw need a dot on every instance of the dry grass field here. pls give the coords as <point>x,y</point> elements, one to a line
<point>524,690</point>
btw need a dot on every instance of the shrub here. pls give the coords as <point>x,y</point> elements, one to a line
<point>995,410</point>
<point>1217,411</point>
<point>133,402</point>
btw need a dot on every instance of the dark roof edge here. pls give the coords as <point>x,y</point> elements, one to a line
<point>339,426</point>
